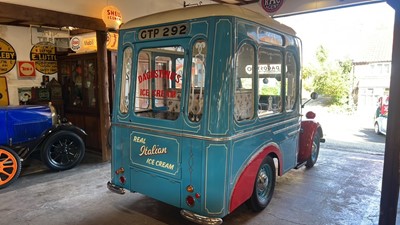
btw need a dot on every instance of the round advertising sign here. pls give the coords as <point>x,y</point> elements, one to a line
<point>8,57</point>
<point>271,6</point>
<point>111,17</point>
<point>45,58</point>
<point>75,43</point>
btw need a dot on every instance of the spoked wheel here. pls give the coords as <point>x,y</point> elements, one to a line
<point>63,150</point>
<point>264,185</point>
<point>314,151</point>
<point>10,166</point>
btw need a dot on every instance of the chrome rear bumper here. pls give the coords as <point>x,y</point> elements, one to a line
<point>200,219</point>
<point>114,188</point>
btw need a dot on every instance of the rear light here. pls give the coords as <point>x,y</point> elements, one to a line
<point>310,115</point>
<point>190,201</point>
<point>197,195</point>
<point>119,171</point>
<point>190,188</point>
<point>122,179</point>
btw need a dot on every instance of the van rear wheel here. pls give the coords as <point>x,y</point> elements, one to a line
<point>314,151</point>
<point>264,185</point>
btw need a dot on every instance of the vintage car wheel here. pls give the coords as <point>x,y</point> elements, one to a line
<point>63,150</point>
<point>314,151</point>
<point>10,166</point>
<point>264,185</point>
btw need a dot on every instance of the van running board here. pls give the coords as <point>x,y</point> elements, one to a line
<point>300,165</point>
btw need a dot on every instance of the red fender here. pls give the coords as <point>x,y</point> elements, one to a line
<point>245,183</point>
<point>308,129</point>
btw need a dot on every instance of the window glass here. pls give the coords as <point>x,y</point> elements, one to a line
<point>126,80</point>
<point>291,87</point>
<point>89,85</point>
<point>270,82</point>
<point>244,87</point>
<point>159,84</point>
<point>142,97</point>
<point>196,95</point>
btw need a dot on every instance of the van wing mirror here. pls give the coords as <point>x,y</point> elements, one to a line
<point>313,96</point>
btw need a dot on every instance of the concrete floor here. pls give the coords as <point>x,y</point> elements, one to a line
<point>342,188</point>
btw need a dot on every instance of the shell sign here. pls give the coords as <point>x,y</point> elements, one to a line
<point>111,17</point>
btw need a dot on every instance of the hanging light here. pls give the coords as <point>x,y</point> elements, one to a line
<point>111,17</point>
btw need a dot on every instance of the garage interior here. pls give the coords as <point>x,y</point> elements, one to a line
<point>27,13</point>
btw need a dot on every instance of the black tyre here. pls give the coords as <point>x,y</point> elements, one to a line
<point>63,150</point>
<point>314,151</point>
<point>264,185</point>
<point>376,128</point>
<point>10,166</point>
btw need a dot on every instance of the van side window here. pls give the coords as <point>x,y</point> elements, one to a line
<point>291,87</point>
<point>244,87</point>
<point>126,80</point>
<point>196,95</point>
<point>270,82</point>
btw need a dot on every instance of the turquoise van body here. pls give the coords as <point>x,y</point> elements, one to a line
<point>194,124</point>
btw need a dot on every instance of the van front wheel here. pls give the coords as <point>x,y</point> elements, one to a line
<point>264,185</point>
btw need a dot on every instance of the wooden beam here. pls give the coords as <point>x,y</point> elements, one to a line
<point>51,18</point>
<point>104,99</point>
<point>236,2</point>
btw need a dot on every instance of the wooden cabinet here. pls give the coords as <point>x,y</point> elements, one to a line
<point>80,88</point>
<point>78,77</point>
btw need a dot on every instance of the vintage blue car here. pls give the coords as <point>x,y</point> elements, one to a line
<point>30,128</point>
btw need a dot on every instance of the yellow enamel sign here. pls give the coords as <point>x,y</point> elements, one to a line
<point>45,58</point>
<point>8,57</point>
<point>3,92</point>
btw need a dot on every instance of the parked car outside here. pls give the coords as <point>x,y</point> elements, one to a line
<point>381,113</point>
<point>30,128</point>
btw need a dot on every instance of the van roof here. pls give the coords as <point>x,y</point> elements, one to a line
<point>207,11</point>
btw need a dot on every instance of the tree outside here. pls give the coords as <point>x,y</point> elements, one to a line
<point>329,78</point>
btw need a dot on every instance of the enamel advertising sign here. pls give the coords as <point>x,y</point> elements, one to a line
<point>271,6</point>
<point>45,58</point>
<point>8,57</point>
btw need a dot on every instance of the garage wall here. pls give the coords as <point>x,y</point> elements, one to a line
<point>19,39</point>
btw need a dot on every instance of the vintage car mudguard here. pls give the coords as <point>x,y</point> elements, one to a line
<point>308,130</point>
<point>245,183</point>
<point>63,126</point>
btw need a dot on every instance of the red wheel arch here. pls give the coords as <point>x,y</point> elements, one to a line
<point>243,187</point>
<point>309,128</point>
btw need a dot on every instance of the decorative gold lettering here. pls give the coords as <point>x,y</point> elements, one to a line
<point>138,139</point>
<point>155,150</point>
